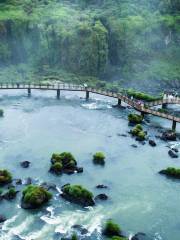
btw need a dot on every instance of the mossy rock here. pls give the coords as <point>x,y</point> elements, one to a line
<point>171,172</point>
<point>64,162</point>
<point>135,118</point>
<point>5,177</point>
<point>1,113</point>
<point>66,158</point>
<point>57,168</point>
<point>77,194</point>
<point>138,132</point>
<point>111,229</point>
<point>99,158</point>
<point>34,197</point>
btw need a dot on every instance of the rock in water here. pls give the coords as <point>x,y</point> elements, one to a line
<point>2,219</point>
<point>152,143</point>
<point>101,186</point>
<point>172,154</point>
<point>141,236</point>
<point>25,164</point>
<point>169,136</point>
<point>101,196</point>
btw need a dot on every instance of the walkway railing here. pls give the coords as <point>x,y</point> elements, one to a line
<point>75,87</point>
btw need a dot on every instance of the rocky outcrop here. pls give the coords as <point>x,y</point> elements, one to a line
<point>168,136</point>
<point>25,164</point>
<point>141,236</point>
<point>152,143</point>
<point>172,154</point>
<point>101,196</point>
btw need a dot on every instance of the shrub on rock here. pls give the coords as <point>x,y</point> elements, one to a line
<point>56,167</point>
<point>99,158</point>
<point>5,177</point>
<point>138,132</point>
<point>77,194</point>
<point>135,118</point>
<point>111,229</point>
<point>171,172</point>
<point>64,162</point>
<point>34,197</point>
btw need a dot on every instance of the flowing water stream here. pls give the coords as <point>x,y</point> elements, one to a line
<point>140,199</point>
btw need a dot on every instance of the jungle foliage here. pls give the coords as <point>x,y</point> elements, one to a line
<point>115,40</point>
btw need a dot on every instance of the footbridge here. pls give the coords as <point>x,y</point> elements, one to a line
<point>143,109</point>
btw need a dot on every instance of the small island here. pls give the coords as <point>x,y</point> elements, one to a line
<point>64,162</point>
<point>34,197</point>
<point>77,194</point>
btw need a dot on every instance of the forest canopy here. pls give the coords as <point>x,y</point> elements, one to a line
<point>121,41</point>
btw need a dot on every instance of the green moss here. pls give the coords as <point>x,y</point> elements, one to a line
<point>135,118</point>
<point>57,167</point>
<point>77,191</point>
<point>119,238</point>
<point>65,158</point>
<point>111,229</point>
<point>5,177</point>
<point>36,196</point>
<point>172,172</point>
<point>138,132</point>
<point>99,158</point>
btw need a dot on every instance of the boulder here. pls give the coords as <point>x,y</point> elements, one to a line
<point>172,154</point>
<point>101,186</point>
<point>49,186</point>
<point>10,194</point>
<point>18,181</point>
<point>169,136</point>
<point>25,164</point>
<point>152,143</point>
<point>141,236</point>
<point>134,146</point>
<point>80,229</point>
<point>2,218</point>
<point>101,196</point>
<point>28,181</point>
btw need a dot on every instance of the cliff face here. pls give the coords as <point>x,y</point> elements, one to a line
<point>108,39</point>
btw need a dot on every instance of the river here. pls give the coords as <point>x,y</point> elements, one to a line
<point>140,200</point>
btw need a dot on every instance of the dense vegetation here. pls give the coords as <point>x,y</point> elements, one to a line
<point>35,196</point>
<point>125,42</point>
<point>171,172</point>
<point>5,177</point>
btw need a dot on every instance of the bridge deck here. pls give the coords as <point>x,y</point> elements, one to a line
<point>74,87</point>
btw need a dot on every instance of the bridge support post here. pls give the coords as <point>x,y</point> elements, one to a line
<point>142,114</point>
<point>29,92</point>
<point>58,93</point>
<point>87,95</point>
<point>164,105</point>
<point>119,102</point>
<point>174,126</point>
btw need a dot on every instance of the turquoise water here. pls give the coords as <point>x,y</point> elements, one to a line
<point>140,199</point>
